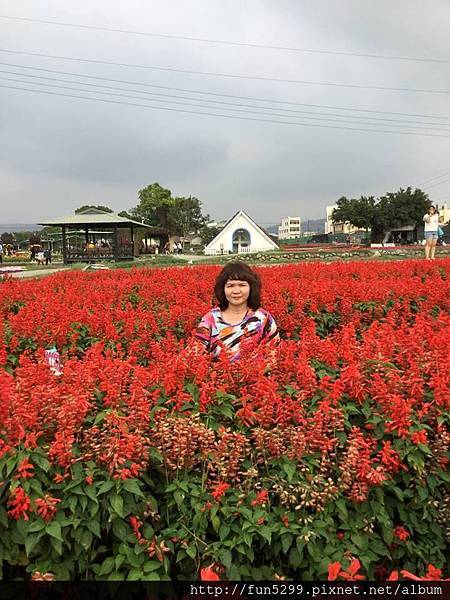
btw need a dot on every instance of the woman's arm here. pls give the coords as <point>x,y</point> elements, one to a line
<point>270,330</point>
<point>426,218</point>
<point>201,335</point>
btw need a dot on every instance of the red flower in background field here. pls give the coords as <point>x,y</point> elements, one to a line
<point>24,470</point>
<point>220,490</point>
<point>362,343</point>
<point>401,533</point>
<point>433,573</point>
<point>261,498</point>
<point>333,571</point>
<point>46,507</point>
<point>209,574</point>
<point>20,504</point>
<point>419,437</point>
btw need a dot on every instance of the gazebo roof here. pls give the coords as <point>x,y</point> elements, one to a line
<point>93,216</point>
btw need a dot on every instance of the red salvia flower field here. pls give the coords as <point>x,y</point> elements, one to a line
<point>326,457</point>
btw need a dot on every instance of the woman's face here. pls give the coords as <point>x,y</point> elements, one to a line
<point>431,210</point>
<point>237,292</point>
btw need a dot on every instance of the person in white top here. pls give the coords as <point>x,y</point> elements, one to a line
<point>431,220</point>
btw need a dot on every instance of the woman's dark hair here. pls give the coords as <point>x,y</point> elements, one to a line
<point>238,271</point>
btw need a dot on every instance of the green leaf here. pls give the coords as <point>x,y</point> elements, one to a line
<point>224,530</point>
<point>215,522</point>
<point>314,551</point>
<point>132,486</point>
<point>179,497</point>
<point>54,529</point>
<point>295,559</point>
<point>151,565</point>
<point>225,558</point>
<point>86,539</point>
<point>266,533</point>
<point>135,575</point>
<point>191,551</point>
<point>286,542</point>
<point>36,526</point>
<point>116,576</point>
<point>94,526</point>
<point>360,541</point>
<point>107,566</point>
<point>116,502</point>
<point>120,529</point>
<point>234,574</point>
<point>30,542</point>
<point>91,493</point>
<point>105,487</point>
<point>57,546</point>
<point>289,468</point>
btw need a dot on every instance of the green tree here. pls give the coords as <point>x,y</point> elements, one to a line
<point>35,238</point>
<point>154,204</point>
<point>158,207</point>
<point>7,238</point>
<point>208,233</point>
<point>357,211</point>
<point>21,236</point>
<point>186,216</point>
<point>125,214</point>
<point>405,207</point>
<point>394,209</point>
<point>98,207</point>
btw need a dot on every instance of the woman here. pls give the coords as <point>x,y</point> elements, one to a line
<point>431,220</point>
<point>239,319</point>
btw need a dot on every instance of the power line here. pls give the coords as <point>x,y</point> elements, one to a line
<point>229,43</point>
<point>224,115</point>
<point>241,109</point>
<point>438,183</point>
<point>430,179</point>
<point>397,122</point>
<point>218,95</point>
<point>225,75</point>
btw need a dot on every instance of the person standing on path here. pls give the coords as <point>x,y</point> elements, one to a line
<point>1,253</point>
<point>431,220</point>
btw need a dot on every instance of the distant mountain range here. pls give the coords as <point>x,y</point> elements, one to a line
<point>13,227</point>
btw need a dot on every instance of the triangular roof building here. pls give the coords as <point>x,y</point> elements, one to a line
<point>240,235</point>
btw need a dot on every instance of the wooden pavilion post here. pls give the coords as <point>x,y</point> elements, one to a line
<point>132,242</point>
<point>116,244</point>
<point>64,242</point>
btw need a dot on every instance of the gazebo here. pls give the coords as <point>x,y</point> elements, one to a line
<point>104,235</point>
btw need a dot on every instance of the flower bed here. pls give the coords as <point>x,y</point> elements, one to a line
<point>144,460</point>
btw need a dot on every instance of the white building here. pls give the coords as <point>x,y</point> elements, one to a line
<point>444,213</point>
<point>240,235</point>
<point>331,227</point>
<point>290,228</point>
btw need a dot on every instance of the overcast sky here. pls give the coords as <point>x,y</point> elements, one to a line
<point>58,153</point>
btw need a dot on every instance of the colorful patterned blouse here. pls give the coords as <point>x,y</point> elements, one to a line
<point>215,333</point>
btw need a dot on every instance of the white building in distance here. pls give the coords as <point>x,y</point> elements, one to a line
<point>331,227</point>
<point>241,235</point>
<point>290,228</point>
<point>444,213</point>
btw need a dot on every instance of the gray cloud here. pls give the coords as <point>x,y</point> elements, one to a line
<point>58,153</point>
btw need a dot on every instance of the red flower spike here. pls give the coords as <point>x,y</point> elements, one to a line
<point>333,571</point>
<point>209,574</point>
